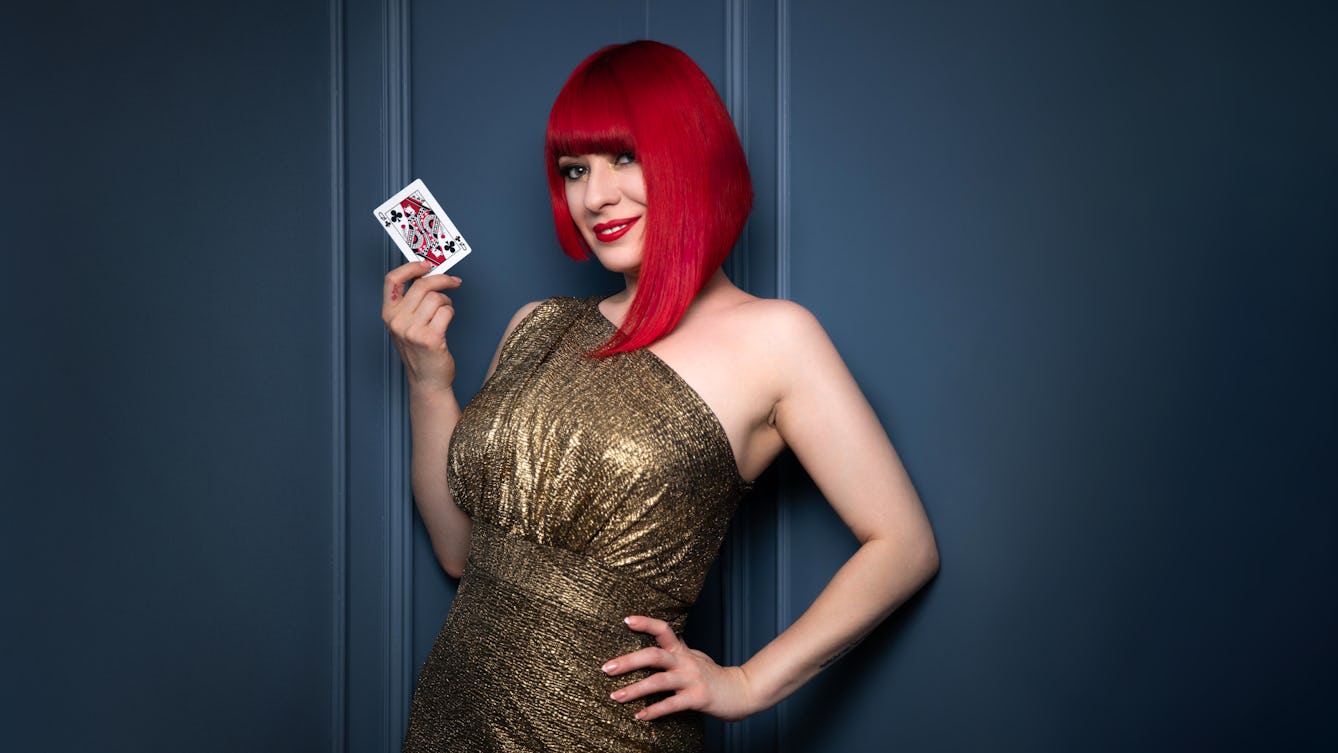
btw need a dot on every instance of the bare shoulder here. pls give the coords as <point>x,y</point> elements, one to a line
<point>789,354</point>
<point>780,327</point>
<point>777,313</point>
<point>774,346</point>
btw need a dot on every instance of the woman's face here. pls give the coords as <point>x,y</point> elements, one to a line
<point>606,196</point>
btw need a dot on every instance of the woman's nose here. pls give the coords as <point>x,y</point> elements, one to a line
<point>601,188</point>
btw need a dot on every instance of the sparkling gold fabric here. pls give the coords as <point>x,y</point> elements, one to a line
<point>598,488</point>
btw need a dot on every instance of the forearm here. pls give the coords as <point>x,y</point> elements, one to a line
<point>873,582</point>
<point>433,415</point>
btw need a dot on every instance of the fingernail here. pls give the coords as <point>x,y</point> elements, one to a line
<point>627,620</point>
<point>457,279</point>
<point>609,667</point>
<point>641,715</point>
<point>617,695</point>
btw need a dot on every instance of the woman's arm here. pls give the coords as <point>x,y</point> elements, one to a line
<point>417,319</point>
<point>432,416</point>
<point>824,418</point>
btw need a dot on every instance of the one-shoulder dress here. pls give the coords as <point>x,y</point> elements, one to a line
<point>598,488</point>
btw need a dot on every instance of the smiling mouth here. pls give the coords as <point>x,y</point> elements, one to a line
<point>614,229</point>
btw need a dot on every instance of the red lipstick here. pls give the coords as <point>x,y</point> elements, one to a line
<point>607,237</point>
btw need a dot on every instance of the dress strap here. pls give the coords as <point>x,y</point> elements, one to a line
<point>541,330</point>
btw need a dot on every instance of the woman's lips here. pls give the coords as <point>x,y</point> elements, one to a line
<point>614,229</point>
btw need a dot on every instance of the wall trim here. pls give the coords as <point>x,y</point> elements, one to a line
<point>783,502</point>
<point>338,393</point>
<point>783,149</point>
<point>734,581</point>
<point>736,66</point>
<point>397,69</point>
<point>736,101</point>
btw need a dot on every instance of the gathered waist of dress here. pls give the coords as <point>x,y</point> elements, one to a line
<point>566,580</point>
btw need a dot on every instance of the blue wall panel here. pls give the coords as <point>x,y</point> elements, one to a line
<point>168,477</point>
<point>375,482</point>
<point>1079,258</point>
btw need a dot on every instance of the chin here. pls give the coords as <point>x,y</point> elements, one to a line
<point>619,261</point>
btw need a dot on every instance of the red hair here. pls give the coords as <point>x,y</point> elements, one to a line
<point>650,99</point>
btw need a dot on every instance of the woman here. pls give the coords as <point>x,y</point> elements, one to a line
<point>587,488</point>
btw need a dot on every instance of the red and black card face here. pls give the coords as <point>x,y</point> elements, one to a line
<point>414,220</point>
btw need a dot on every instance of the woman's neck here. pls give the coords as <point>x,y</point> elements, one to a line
<point>623,298</point>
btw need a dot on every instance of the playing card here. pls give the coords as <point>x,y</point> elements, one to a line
<point>414,220</point>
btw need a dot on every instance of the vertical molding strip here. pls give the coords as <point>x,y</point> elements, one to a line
<point>736,66</point>
<point>738,596</point>
<point>736,101</point>
<point>783,149</point>
<point>399,499</point>
<point>338,394</point>
<point>783,615</point>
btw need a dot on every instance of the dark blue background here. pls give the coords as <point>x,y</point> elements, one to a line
<point>1081,258</point>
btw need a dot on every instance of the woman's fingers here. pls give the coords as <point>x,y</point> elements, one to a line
<point>395,296</point>
<point>425,286</point>
<point>442,319</point>
<point>416,314</point>
<point>660,682</point>
<point>428,307</point>
<point>652,657</point>
<point>671,705</point>
<point>392,289</point>
<point>693,679</point>
<point>658,629</point>
<point>418,307</point>
<point>660,656</point>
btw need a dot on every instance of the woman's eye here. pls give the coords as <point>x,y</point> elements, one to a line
<point>572,172</point>
<point>625,158</point>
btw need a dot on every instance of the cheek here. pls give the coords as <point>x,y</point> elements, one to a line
<point>576,210</point>
<point>575,201</point>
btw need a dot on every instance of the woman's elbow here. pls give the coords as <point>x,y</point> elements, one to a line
<point>928,560</point>
<point>920,556</point>
<point>454,567</point>
<point>914,558</point>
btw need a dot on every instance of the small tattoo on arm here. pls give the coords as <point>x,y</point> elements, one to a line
<point>844,650</point>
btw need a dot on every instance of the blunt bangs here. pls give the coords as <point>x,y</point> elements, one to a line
<point>590,116</point>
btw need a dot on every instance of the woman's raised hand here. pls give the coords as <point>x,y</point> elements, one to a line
<point>695,680</point>
<point>417,319</point>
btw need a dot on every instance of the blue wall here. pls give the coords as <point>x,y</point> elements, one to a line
<point>168,480</point>
<point>1084,256</point>
<point>1082,259</point>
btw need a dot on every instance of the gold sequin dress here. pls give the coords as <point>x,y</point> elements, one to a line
<point>598,488</point>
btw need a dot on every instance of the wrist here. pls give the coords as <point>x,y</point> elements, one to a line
<point>758,696</point>
<point>437,397</point>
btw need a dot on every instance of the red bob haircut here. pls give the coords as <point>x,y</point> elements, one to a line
<point>650,99</point>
